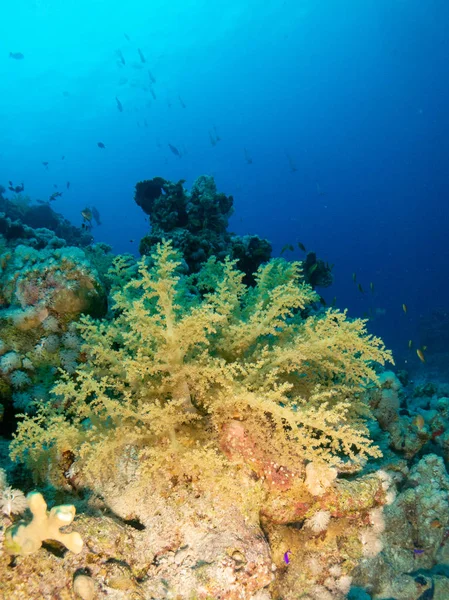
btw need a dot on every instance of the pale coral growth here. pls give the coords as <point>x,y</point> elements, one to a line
<point>19,379</point>
<point>387,485</point>
<point>23,401</point>
<point>344,584</point>
<point>27,364</point>
<point>335,570</point>
<point>319,477</point>
<point>69,360</point>
<point>319,521</point>
<point>314,565</point>
<point>319,592</point>
<point>71,340</point>
<point>377,520</point>
<point>371,543</point>
<point>3,479</point>
<point>9,362</point>
<point>51,324</point>
<point>12,501</point>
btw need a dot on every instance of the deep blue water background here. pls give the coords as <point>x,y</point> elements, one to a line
<point>356,93</point>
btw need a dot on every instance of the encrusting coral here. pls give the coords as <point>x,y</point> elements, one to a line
<point>203,393</point>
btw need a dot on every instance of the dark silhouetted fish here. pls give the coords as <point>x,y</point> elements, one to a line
<point>142,57</point>
<point>16,55</point>
<point>101,145</point>
<point>153,92</point>
<point>174,150</point>
<point>67,185</point>
<point>121,57</point>
<point>212,140</point>
<point>119,104</point>
<point>45,163</point>
<point>62,157</point>
<point>248,158</point>
<point>54,196</point>
<point>181,102</point>
<point>127,37</point>
<point>96,215</point>
<point>150,75</point>
<point>217,137</point>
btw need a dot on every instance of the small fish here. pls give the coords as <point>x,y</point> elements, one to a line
<point>96,215</point>
<point>212,140</point>
<point>371,287</point>
<point>181,101</point>
<point>16,55</point>
<point>151,76</point>
<point>121,57</point>
<point>410,344</point>
<point>418,551</point>
<point>287,247</point>
<point>217,137</point>
<point>323,301</point>
<point>131,241</point>
<point>62,157</point>
<point>420,354</point>
<point>436,524</point>
<point>55,185</point>
<point>424,348</point>
<point>54,196</point>
<point>86,214</point>
<point>302,247</point>
<point>45,163</point>
<point>248,158</point>
<point>360,288</point>
<point>67,185</point>
<point>119,104</point>
<point>152,92</point>
<point>287,556</point>
<point>127,37</point>
<point>404,308</point>
<point>101,145</point>
<point>419,422</point>
<point>174,150</point>
<point>142,57</point>
<point>354,278</point>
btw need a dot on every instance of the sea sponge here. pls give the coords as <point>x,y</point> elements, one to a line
<point>22,538</point>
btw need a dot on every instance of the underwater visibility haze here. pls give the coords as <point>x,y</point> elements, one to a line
<point>224,287</point>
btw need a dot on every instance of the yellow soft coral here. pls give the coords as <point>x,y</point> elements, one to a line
<point>175,367</point>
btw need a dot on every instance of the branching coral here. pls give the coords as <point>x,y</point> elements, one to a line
<point>177,366</point>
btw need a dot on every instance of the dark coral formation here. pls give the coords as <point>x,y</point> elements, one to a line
<point>317,273</point>
<point>197,223</point>
<point>22,220</point>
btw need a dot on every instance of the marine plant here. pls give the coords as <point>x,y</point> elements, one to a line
<point>186,364</point>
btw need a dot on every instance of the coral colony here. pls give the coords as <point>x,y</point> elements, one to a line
<point>218,432</point>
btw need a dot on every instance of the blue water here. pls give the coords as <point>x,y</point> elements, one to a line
<point>355,93</point>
